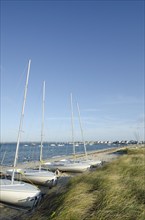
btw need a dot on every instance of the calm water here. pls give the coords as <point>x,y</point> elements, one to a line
<point>30,152</point>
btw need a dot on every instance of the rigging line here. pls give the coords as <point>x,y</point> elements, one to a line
<point>42,124</point>
<point>3,157</point>
<point>82,133</point>
<point>26,179</point>
<point>72,123</point>
<point>21,78</point>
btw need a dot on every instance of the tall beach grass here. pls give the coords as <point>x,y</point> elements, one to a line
<point>114,192</point>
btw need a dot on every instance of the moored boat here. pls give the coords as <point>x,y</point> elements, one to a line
<point>40,177</point>
<point>19,194</point>
<point>16,192</point>
<point>67,166</point>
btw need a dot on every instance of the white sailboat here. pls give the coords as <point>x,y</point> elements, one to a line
<point>85,161</point>
<point>19,193</point>
<point>70,165</point>
<point>92,163</point>
<point>40,177</point>
<point>67,166</point>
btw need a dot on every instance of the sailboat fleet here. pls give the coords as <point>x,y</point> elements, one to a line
<point>16,192</point>
<point>40,177</point>
<point>20,189</point>
<point>74,165</point>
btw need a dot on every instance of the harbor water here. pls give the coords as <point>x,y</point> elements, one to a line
<point>31,151</point>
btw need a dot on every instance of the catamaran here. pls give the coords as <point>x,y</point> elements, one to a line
<point>19,193</point>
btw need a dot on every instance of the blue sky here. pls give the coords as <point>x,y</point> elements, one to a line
<point>94,49</point>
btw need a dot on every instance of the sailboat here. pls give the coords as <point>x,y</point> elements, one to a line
<point>19,193</point>
<point>67,166</point>
<point>40,177</point>
<point>92,163</point>
<point>70,165</point>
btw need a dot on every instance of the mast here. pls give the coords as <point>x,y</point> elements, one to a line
<point>72,123</point>
<point>21,120</point>
<point>82,133</point>
<point>42,125</point>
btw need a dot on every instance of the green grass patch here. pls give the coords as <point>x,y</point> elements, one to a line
<point>114,192</point>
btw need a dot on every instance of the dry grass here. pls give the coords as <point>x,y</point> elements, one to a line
<point>114,192</point>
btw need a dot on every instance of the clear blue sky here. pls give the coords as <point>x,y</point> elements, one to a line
<point>94,49</point>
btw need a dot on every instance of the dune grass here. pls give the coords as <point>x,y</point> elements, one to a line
<point>114,192</point>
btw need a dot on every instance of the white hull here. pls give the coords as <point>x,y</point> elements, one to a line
<point>19,194</point>
<point>95,163</point>
<point>68,167</point>
<point>35,176</point>
<point>92,163</point>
